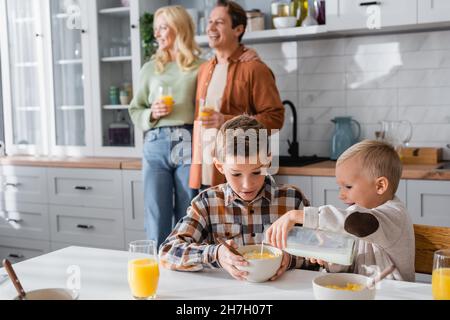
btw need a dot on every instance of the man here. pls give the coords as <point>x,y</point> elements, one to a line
<point>231,88</point>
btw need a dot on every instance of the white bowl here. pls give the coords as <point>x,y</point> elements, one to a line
<point>321,292</point>
<point>284,22</point>
<point>51,294</point>
<point>261,270</point>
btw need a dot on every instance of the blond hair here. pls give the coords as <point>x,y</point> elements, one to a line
<point>241,136</point>
<point>379,159</point>
<point>188,51</point>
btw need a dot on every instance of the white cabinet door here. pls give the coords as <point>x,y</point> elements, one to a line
<point>303,183</point>
<point>23,184</point>
<point>360,14</point>
<point>87,226</point>
<point>434,11</point>
<point>24,220</point>
<point>429,202</point>
<point>326,191</point>
<point>86,187</point>
<point>133,198</point>
<point>70,87</point>
<point>22,39</point>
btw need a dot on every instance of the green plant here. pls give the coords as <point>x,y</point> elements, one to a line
<point>149,44</point>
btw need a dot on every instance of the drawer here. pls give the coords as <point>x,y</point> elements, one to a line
<point>86,187</point>
<point>17,250</point>
<point>54,246</point>
<point>133,198</point>
<point>28,184</point>
<point>87,226</point>
<point>360,14</point>
<point>24,220</point>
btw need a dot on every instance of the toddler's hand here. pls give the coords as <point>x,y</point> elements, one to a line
<point>229,261</point>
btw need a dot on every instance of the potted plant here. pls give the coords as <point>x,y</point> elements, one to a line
<point>149,44</point>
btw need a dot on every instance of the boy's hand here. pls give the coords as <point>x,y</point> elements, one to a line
<point>283,267</point>
<point>278,231</point>
<point>229,261</point>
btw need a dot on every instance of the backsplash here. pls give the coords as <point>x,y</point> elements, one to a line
<point>371,78</point>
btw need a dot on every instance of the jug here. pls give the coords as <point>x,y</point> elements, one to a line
<point>343,137</point>
<point>397,133</point>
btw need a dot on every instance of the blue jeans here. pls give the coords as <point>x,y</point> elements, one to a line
<point>166,166</point>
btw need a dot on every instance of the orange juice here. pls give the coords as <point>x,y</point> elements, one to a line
<point>206,112</point>
<point>168,101</point>
<point>143,276</point>
<point>441,284</point>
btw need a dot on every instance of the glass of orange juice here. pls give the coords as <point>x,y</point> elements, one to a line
<point>207,107</point>
<point>143,269</point>
<point>440,281</point>
<point>166,95</point>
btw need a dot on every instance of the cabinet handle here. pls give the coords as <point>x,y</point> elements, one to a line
<point>16,256</point>
<point>38,35</point>
<point>14,220</point>
<point>370,3</point>
<point>133,26</point>
<point>13,185</point>
<point>83,31</point>
<point>82,188</point>
<point>85,227</point>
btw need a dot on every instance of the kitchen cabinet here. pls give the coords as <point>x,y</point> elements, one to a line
<point>301,182</point>
<point>433,11</point>
<point>17,249</point>
<point>98,188</point>
<point>359,14</point>
<point>60,60</point>
<point>429,202</point>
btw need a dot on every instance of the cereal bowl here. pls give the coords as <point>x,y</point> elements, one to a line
<point>284,22</point>
<point>51,294</point>
<point>261,268</point>
<point>342,286</point>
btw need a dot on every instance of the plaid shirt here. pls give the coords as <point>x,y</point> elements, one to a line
<point>219,213</point>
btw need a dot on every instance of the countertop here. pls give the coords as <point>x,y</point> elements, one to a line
<point>104,277</point>
<point>324,169</point>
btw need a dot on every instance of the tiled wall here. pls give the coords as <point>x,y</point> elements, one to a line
<point>371,78</point>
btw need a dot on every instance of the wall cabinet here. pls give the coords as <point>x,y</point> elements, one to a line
<point>60,62</point>
<point>360,14</point>
<point>433,11</point>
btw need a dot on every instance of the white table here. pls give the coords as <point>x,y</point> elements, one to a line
<point>104,276</point>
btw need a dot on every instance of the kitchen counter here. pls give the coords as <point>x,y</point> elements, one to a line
<point>65,162</point>
<point>324,169</point>
<point>104,277</point>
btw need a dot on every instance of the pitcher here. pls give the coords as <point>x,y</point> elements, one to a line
<point>397,133</point>
<point>344,136</point>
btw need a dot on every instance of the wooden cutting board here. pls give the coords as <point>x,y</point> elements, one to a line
<point>421,155</point>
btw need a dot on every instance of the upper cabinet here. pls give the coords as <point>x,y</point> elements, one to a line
<point>70,68</point>
<point>360,14</point>
<point>434,11</point>
<point>23,76</point>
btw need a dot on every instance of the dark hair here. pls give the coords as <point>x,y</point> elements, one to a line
<point>237,14</point>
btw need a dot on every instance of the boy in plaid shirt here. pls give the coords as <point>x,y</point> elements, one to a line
<point>237,211</point>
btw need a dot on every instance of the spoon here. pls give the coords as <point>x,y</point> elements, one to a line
<point>12,275</point>
<point>373,281</point>
<point>230,247</point>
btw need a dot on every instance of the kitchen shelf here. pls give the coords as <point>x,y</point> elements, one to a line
<point>116,59</point>
<point>71,108</point>
<point>275,35</point>
<point>26,65</point>
<point>120,12</point>
<point>28,109</point>
<point>25,20</point>
<point>116,107</point>
<point>70,61</point>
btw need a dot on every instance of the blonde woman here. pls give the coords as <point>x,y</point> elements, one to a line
<point>168,122</point>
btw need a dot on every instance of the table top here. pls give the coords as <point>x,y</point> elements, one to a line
<point>104,277</point>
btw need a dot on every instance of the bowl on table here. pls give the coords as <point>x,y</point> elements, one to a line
<point>261,268</point>
<point>51,294</point>
<point>284,22</point>
<point>342,286</point>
